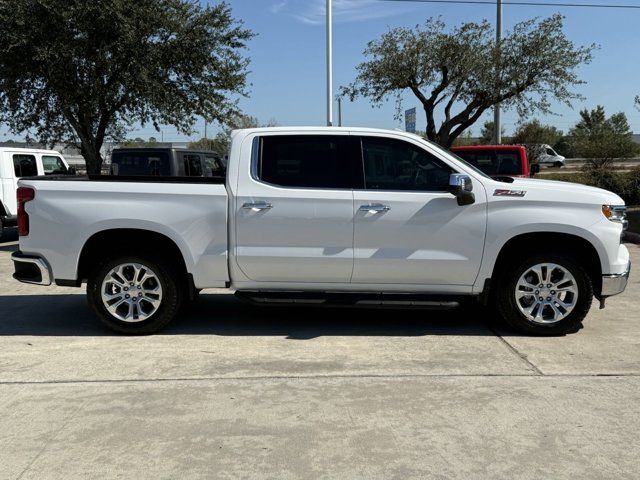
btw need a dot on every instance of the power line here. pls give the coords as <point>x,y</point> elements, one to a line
<point>535,4</point>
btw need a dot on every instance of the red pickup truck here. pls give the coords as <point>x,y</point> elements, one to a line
<point>498,160</point>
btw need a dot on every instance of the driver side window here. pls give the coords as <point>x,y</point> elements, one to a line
<point>391,164</point>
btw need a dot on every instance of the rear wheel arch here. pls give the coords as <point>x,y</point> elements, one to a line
<point>128,241</point>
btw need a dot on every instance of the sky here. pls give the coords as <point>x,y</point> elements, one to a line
<point>287,69</point>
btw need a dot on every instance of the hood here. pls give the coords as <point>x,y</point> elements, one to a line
<point>554,190</point>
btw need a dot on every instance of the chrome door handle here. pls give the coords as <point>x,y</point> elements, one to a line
<point>374,208</point>
<point>257,206</point>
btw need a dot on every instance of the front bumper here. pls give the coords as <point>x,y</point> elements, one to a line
<point>31,269</point>
<point>615,284</point>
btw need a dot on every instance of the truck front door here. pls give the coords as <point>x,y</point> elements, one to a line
<point>407,228</point>
<point>294,210</point>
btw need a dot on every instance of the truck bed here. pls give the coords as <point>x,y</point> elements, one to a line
<point>191,211</point>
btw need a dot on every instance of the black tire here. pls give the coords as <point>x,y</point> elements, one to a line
<point>558,164</point>
<point>165,312</point>
<point>507,306</point>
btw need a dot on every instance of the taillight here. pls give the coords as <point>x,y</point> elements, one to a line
<point>24,195</point>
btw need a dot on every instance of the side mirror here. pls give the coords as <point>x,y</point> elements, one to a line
<point>460,186</point>
<point>71,171</point>
<point>535,168</point>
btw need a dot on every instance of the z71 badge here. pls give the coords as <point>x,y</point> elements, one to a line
<point>509,193</point>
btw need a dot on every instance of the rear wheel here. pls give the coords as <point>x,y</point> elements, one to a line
<point>546,294</point>
<point>134,295</point>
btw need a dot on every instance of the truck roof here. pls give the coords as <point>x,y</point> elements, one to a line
<point>317,129</point>
<point>487,147</point>
<point>28,150</point>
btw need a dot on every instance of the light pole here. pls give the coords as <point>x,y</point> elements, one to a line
<point>329,63</point>
<point>497,135</point>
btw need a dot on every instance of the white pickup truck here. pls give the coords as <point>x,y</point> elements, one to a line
<point>16,162</point>
<point>327,216</point>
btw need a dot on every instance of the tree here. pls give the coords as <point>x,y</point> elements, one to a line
<point>139,142</point>
<point>85,70</point>
<point>454,73</point>
<point>487,132</point>
<point>222,141</point>
<point>534,134</point>
<point>600,139</point>
<point>465,139</point>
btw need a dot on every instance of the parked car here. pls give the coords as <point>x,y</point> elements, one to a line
<point>325,216</point>
<point>498,160</point>
<point>16,163</point>
<point>143,161</point>
<point>546,155</point>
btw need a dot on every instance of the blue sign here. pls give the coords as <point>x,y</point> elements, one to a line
<point>410,120</point>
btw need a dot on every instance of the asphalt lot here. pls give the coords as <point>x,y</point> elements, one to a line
<point>234,391</point>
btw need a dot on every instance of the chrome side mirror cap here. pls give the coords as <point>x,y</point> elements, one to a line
<point>460,181</point>
<point>461,186</point>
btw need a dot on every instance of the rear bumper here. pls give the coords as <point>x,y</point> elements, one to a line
<point>31,269</point>
<point>615,284</point>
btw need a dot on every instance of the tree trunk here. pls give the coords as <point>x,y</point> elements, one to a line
<point>92,158</point>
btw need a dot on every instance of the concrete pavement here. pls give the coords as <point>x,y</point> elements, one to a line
<point>234,391</point>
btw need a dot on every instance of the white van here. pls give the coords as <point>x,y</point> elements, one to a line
<point>18,162</point>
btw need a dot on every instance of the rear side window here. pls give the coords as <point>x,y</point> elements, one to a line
<point>213,165</point>
<point>53,165</point>
<point>305,161</point>
<point>494,162</point>
<point>485,161</point>
<point>391,164</point>
<point>141,163</point>
<point>25,165</point>
<point>192,165</point>
<point>509,163</point>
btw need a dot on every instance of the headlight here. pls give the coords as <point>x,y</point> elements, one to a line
<point>616,213</point>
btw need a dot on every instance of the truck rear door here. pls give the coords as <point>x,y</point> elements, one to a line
<point>294,212</point>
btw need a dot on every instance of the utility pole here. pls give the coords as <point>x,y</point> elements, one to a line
<point>329,63</point>
<point>497,126</point>
<point>205,129</point>
<point>339,111</point>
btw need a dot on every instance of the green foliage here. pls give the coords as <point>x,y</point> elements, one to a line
<point>449,69</point>
<point>139,142</point>
<point>80,71</point>
<point>600,139</point>
<point>487,132</point>
<point>535,132</point>
<point>465,139</point>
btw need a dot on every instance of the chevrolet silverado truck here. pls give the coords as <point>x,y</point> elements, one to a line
<point>326,216</point>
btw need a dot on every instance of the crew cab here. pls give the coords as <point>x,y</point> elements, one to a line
<point>15,163</point>
<point>498,160</point>
<point>327,216</point>
<point>161,161</point>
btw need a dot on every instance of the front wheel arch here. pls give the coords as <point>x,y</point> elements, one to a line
<point>531,243</point>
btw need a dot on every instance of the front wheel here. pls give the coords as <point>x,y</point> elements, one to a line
<point>545,294</point>
<point>134,295</point>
